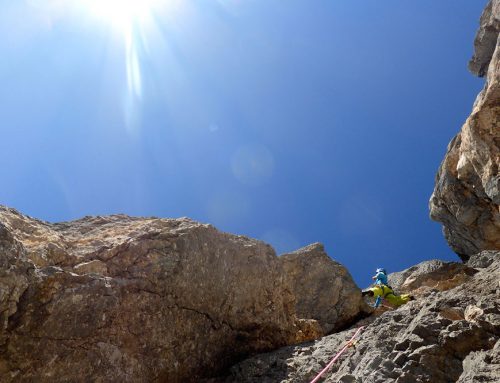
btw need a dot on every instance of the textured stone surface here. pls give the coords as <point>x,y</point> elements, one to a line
<point>466,197</point>
<point>132,300</point>
<point>427,275</point>
<point>126,299</point>
<point>444,336</point>
<point>486,39</point>
<point>14,279</point>
<point>323,288</point>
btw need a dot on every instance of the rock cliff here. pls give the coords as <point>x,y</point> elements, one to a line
<point>450,334</point>
<point>466,197</point>
<point>140,300</point>
<point>123,299</point>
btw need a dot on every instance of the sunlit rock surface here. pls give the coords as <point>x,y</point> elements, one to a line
<point>448,335</point>
<point>132,300</point>
<point>428,275</point>
<point>466,197</point>
<point>323,288</point>
<point>123,299</point>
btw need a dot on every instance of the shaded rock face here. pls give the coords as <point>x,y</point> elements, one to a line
<point>324,289</point>
<point>14,278</point>
<point>444,336</point>
<point>133,300</point>
<point>466,197</point>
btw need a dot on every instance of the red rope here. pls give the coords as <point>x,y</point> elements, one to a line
<point>329,365</point>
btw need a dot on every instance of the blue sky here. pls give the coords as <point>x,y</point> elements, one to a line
<point>292,122</point>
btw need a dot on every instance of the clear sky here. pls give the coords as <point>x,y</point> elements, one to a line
<point>288,121</point>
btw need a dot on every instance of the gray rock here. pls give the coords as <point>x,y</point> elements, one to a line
<point>466,196</point>
<point>482,366</point>
<point>324,289</point>
<point>486,39</point>
<point>434,274</point>
<point>482,260</point>
<point>449,336</point>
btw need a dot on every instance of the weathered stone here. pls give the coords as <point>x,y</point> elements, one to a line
<point>482,260</point>
<point>486,39</point>
<point>132,299</point>
<point>427,340</point>
<point>95,266</point>
<point>307,330</point>
<point>466,196</point>
<point>434,274</point>
<point>142,299</point>
<point>482,366</point>
<point>324,289</point>
<point>14,279</point>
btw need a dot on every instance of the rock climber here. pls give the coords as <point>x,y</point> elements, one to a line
<point>380,277</point>
<point>381,290</point>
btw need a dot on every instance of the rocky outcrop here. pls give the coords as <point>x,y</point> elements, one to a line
<point>452,335</point>
<point>127,299</point>
<point>466,197</point>
<point>14,279</point>
<point>324,290</point>
<point>429,275</point>
<point>139,300</point>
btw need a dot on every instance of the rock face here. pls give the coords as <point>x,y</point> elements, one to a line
<point>107,299</point>
<point>324,289</point>
<point>466,197</point>
<point>133,300</point>
<point>428,275</point>
<point>444,336</point>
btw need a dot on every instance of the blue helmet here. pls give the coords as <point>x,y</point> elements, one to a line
<point>381,270</point>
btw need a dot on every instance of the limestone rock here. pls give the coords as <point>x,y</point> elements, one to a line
<point>135,299</point>
<point>307,330</point>
<point>434,274</point>
<point>444,336</point>
<point>482,260</point>
<point>14,279</point>
<point>466,196</point>
<point>324,289</point>
<point>486,39</point>
<point>96,267</point>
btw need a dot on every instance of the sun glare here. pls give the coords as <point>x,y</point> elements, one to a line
<point>121,13</point>
<point>135,23</point>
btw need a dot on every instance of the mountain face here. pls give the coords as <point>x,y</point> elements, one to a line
<point>107,299</point>
<point>123,299</point>
<point>466,197</point>
<point>450,333</point>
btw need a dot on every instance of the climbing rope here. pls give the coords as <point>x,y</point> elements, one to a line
<point>329,365</point>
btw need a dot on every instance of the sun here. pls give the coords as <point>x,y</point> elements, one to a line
<point>121,14</point>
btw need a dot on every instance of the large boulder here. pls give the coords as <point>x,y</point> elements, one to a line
<point>134,299</point>
<point>323,288</point>
<point>466,196</point>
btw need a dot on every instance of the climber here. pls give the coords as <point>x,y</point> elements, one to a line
<point>381,290</point>
<point>380,277</point>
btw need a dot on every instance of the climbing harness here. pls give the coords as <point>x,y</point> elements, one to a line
<point>350,343</point>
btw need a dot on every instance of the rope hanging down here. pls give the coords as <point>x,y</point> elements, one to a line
<point>329,365</point>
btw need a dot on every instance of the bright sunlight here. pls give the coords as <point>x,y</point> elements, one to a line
<point>121,13</point>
